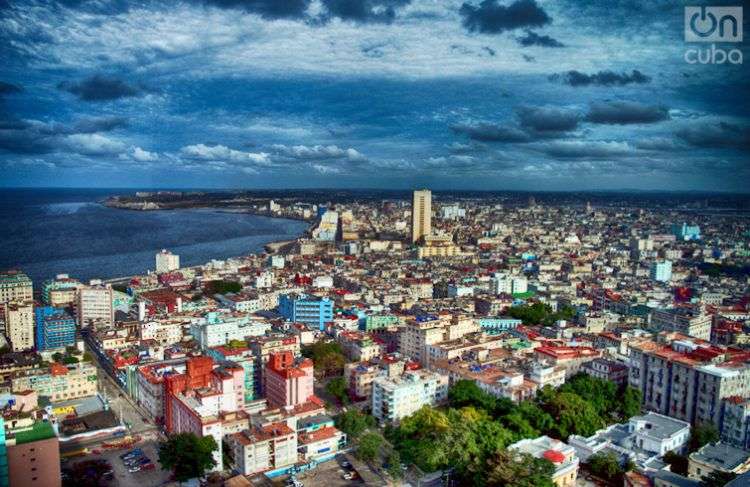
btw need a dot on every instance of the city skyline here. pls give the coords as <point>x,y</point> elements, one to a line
<point>506,95</point>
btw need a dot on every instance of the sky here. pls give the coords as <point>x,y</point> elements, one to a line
<point>467,94</point>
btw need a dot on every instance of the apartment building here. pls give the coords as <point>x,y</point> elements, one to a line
<point>687,378</point>
<point>216,328</point>
<point>59,382</point>
<point>305,309</point>
<point>417,334</point>
<point>263,448</point>
<point>55,328</point>
<point>289,382</point>
<point>394,398</point>
<point>19,325</point>
<point>94,306</point>
<point>688,320</point>
<point>15,286</point>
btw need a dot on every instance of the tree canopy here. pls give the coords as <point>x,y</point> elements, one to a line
<point>702,434</point>
<point>188,456</point>
<point>354,422</point>
<point>328,358</point>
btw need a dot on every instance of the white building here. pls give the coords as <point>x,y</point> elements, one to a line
<point>394,398</point>
<point>507,284</point>
<point>19,325</point>
<point>94,305</point>
<point>562,456</point>
<point>166,261</point>
<point>643,439</point>
<point>216,329</point>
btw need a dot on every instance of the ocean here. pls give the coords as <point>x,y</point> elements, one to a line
<point>45,232</point>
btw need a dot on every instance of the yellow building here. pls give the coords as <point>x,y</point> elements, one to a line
<point>421,214</point>
<point>19,325</point>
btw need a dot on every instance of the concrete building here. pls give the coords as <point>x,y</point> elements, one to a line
<point>166,261</point>
<point>306,309</point>
<point>562,456</point>
<point>94,306</point>
<point>394,398</point>
<point>718,457</point>
<point>263,448</point>
<point>61,288</point>
<point>661,271</point>
<point>735,427</point>
<point>642,440</point>
<point>59,382</point>
<point>215,329</point>
<point>55,328</point>
<point>33,455</point>
<point>15,286</point>
<point>289,382</point>
<point>19,325</point>
<point>687,378</point>
<point>688,320</point>
<point>685,232</point>
<point>421,214</point>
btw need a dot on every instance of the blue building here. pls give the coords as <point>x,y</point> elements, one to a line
<point>686,232</point>
<point>4,480</point>
<point>661,271</point>
<point>306,309</point>
<point>499,324</point>
<point>55,328</point>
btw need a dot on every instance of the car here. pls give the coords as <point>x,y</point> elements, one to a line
<point>134,469</point>
<point>148,466</point>
<point>135,461</point>
<point>346,464</point>
<point>132,453</point>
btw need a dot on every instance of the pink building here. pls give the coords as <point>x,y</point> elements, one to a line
<point>289,382</point>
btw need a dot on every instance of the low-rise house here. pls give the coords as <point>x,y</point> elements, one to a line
<point>562,456</point>
<point>718,457</point>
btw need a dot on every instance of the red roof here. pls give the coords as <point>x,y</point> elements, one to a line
<point>554,456</point>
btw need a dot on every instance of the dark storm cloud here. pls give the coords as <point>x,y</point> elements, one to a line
<point>602,78</point>
<point>101,88</point>
<point>626,112</point>
<point>9,88</point>
<point>717,135</point>
<point>383,11</point>
<point>99,124</point>
<point>33,137</point>
<point>534,39</point>
<point>489,17</point>
<point>268,9</point>
<point>547,119</point>
<point>487,132</point>
<point>585,149</point>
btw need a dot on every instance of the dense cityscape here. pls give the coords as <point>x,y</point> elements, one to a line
<point>441,340</point>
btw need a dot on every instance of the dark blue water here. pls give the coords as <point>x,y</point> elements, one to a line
<point>52,231</point>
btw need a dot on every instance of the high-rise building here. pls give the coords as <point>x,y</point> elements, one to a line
<point>55,328</point>
<point>394,398</point>
<point>421,214</point>
<point>289,382</point>
<point>166,261</point>
<point>34,456</point>
<point>95,305</point>
<point>306,309</point>
<point>661,271</point>
<point>686,232</point>
<point>52,289</point>
<point>19,324</point>
<point>15,286</point>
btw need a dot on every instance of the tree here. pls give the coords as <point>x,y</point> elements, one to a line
<point>57,356</point>
<point>606,466</point>
<point>188,456</point>
<point>393,465</point>
<point>703,434</point>
<point>677,463</point>
<point>337,388</point>
<point>328,358</point>
<point>70,360</point>
<point>572,415</point>
<point>511,469</point>
<point>353,422</point>
<point>369,447</point>
<point>467,393</point>
<point>717,478</point>
<point>629,403</point>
